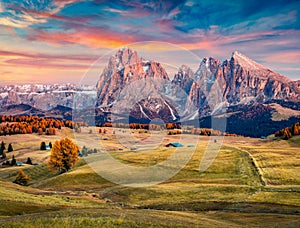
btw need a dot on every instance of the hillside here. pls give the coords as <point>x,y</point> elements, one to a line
<point>251,181</point>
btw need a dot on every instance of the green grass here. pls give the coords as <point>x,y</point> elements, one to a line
<point>230,193</point>
<point>148,218</point>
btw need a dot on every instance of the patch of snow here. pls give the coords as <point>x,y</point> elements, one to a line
<point>207,65</point>
<point>172,113</point>
<point>22,93</point>
<point>142,111</point>
<point>247,100</point>
<point>194,116</point>
<point>3,95</point>
<point>87,92</point>
<point>120,68</point>
<point>146,68</point>
<point>220,108</point>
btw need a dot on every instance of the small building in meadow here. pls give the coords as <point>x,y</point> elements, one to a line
<point>174,144</point>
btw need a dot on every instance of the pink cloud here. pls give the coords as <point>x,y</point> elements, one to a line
<point>91,37</point>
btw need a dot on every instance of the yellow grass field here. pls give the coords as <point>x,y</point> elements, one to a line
<point>251,182</point>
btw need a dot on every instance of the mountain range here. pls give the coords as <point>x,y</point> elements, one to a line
<point>254,100</point>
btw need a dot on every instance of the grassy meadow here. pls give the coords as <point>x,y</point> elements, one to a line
<point>251,182</point>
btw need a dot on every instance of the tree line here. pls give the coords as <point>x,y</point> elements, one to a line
<point>173,128</point>
<point>10,125</point>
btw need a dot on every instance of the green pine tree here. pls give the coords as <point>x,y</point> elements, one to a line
<point>3,146</point>
<point>13,161</point>
<point>43,146</point>
<point>10,148</point>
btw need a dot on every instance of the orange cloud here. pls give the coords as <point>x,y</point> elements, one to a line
<point>89,37</point>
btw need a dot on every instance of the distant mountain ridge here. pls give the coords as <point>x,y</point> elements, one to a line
<point>43,97</point>
<point>239,87</point>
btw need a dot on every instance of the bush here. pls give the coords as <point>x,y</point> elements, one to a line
<point>22,178</point>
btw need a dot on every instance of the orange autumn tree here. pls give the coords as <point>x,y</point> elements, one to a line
<point>64,155</point>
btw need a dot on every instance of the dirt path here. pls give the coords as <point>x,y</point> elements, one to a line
<point>254,164</point>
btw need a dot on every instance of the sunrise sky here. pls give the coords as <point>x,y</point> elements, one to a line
<point>55,41</point>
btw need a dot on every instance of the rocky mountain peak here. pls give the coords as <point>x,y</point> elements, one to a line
<point>123,57</point>
<point>123,68</point>
<point>184,72</point>
<point>207,68</point>
<point>246,62</point>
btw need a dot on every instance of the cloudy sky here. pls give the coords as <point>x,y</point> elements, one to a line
<point>56,41</point>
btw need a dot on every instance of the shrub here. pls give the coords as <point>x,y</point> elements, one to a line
<point>22,178</point>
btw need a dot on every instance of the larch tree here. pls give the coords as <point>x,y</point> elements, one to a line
<point>64,155</point>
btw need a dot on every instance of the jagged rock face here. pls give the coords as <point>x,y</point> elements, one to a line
<point>124,68</point>
<point>146,79</point>
<point>238,80</point>
<point>184,78</point>
<point>245,78</point>
<point>214,85</point>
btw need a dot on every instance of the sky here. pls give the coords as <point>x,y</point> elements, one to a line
<point>56,41</point>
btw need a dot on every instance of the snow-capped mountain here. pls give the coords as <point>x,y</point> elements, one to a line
<point>43,97</point>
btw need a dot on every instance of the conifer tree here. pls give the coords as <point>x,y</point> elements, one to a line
<point>43,146</point>
<point>3,146</point>
<point>10,148</point>
<point>29,162</point>
<point>13,161</point>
